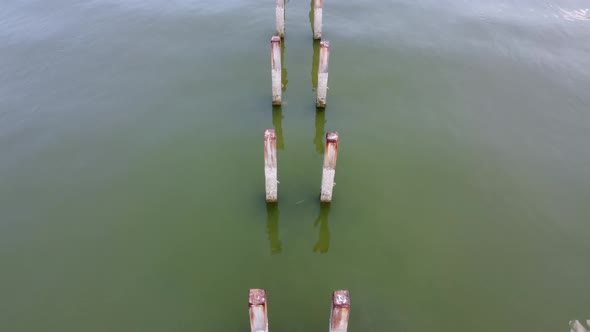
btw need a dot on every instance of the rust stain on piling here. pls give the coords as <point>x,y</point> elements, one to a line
<point>332,137</point>
<point>331,150</point>
<point>270,148</point>
<point>340,311</point>
<point>257,309</point>
<point>269,134</point>
<point>257,297</point>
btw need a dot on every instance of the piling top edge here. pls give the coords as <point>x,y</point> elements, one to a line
<point>275,39</point>
<point>257,297</point>
<point>341,299</point>
<point>270,134</point>
<point>325,44</point>
<point>332,136</point>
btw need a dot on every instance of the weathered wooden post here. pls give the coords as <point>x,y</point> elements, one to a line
<point>275,58</point>
<point>270,165</point>
<point>322,89</point>
<point>340,311</point>
<point>280,13</point>
<point>257,308</point>
<point>329,170</point>
<point>317,19</point>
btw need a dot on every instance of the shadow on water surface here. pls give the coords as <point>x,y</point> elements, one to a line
<point>320,124</point>
<point>272,228</point>
<point>277,122</point>
<point>315,62</point>
<point>323,243</point>
<point>320,115</point>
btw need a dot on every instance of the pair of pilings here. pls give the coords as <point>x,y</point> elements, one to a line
<point>317,18</point>
<point>258,307</point>
<point>270,166</point>
<point>322,89</point>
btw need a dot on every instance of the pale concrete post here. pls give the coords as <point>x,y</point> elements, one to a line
<point>257,308</point>
<point>576,326</point>
<point>280,13</point>
<point>317,19</point>
<point>329,170</point>
<point>275,48</point>
<point>322,89</point>
<point>340,311</point>
<point>270,165</point>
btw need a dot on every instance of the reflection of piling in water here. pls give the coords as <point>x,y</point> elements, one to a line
<point>280,13</point>
<point>317,19</point>
<point>276,69</point>
<point>272,227</point>
<point>340,311</point>
<point>323,244</point>
<point>270,165</point>
<point>329,170</point>
<point>315,62</point>
<point>322,89</point>
<point>258,310</point>
<point>277,122</point>
<point>320,122</point>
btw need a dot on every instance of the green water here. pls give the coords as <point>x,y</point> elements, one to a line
<point>132,183</point>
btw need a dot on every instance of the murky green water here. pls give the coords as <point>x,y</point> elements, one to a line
<point>131,171</point>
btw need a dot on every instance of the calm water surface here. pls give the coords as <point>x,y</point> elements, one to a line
<point>131,171</point>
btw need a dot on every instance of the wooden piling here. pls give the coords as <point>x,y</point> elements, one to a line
<point>275,48</point>
<point>340,311</point>
<point>280,18</point>
<point>258,310</point>
<point>317,19</point>
<point>270,165</point>
<point>329,170</point>
<point>322,89</point>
